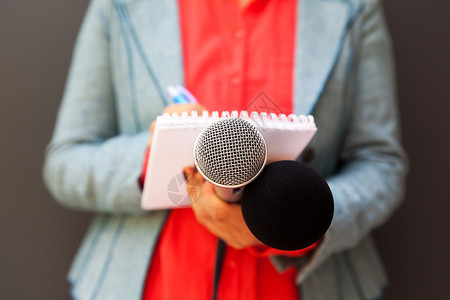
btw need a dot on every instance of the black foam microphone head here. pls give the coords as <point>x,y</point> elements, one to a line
<point>289,206</point>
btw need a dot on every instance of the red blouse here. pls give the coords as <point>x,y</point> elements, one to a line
<point>234,58</point>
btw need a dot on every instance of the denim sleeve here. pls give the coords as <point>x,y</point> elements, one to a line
<point>369,185</point>
<point>89,165</point>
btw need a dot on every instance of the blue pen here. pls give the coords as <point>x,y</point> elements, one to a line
<point>176,96</point>
<point>191,98</point>
<point>180,94</point>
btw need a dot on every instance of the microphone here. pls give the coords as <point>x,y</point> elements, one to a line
<point>289,206</point>
<point>230,153</point>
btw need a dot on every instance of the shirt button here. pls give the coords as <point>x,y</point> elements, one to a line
<point>235,81</point>
<point>239,35</point>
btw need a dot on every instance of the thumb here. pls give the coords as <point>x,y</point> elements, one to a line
<point>194,182</point>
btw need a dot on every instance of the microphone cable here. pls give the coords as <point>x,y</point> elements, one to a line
<point>220,257</point>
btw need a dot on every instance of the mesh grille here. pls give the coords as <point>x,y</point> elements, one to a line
<point>230,152</point>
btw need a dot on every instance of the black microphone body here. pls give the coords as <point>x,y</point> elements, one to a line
<point>289,206</point>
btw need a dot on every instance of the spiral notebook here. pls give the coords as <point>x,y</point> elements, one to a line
<point>173,147</point>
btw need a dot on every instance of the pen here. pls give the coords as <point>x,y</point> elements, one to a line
<point>180,94</point>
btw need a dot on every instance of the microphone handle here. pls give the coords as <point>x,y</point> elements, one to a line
<point>229,194</point>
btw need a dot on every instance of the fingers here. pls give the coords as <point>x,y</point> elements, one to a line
<point>234,236</point>
<point>194,183</point>
<point>188,172</point>
<point>152,127</point>
<point>221,218</point>
<point>193,178</point>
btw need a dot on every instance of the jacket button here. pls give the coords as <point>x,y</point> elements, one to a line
<point>308,155</point>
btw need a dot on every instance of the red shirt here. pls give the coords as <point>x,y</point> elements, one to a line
<point>234,58</point>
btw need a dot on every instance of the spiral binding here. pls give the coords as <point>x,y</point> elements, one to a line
<point>262,120</point>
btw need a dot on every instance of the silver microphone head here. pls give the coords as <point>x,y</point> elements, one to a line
<point>230,153</point>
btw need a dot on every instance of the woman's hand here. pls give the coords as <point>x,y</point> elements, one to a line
<point>178,109</point>
<point>222,219</point>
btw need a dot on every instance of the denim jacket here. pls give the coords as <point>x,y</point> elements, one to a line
<point>128,49</point>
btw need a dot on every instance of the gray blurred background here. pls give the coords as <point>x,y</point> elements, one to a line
<point>38,239</point>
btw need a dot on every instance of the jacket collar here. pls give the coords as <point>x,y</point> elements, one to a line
<point>152,29</point>
<point>320,31</point>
